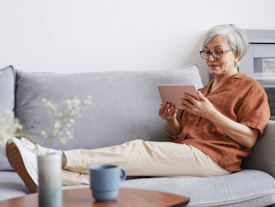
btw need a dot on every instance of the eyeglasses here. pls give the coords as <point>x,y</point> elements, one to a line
<point>216,54</point>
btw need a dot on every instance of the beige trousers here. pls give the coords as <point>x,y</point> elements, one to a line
<point>141,158</point>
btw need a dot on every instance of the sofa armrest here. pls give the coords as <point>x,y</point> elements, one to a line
<point>263,153</point>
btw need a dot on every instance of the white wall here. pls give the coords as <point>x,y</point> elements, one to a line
<point>110,35</point>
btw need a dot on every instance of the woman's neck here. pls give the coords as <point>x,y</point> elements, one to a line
<point>220,79</point>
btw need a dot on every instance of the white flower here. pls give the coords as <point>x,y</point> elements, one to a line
<point>50,106</point>
<point>9,127</point>
<point>57,124</point>
<point>62,140</point>
<point>87,102</point>
<point>76,101</point>
<point>70,110</point>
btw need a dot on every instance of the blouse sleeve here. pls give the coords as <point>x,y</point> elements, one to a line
<point>254,109</point>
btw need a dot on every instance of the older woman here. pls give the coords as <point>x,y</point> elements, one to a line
<point>210,136</point>
<point>232,111</point>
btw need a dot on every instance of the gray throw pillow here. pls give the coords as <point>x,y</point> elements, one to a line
<point>7,90</point>
<point>126,104</point>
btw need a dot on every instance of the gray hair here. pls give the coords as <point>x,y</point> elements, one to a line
<point>236,37</point>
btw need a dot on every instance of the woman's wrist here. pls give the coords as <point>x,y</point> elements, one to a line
<point>214,116</point>
<point>173,127</point>
<point>171,120</point>
<point>173,135</point>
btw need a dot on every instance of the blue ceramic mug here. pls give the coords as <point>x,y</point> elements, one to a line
<point>105,181</point>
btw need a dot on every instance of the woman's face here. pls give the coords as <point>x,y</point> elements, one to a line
<point>225,65</point>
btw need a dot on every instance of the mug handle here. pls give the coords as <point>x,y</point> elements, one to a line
<point>123,177</point>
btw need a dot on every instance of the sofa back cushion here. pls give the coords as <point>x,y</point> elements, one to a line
<point>125,104</point>
<point>7,89</point>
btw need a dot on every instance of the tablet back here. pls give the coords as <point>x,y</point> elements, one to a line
<point>172,93</point>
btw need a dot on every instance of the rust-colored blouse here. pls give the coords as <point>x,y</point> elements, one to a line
<point>240,98</point>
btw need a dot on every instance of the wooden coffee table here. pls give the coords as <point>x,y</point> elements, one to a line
<point>127,197</point>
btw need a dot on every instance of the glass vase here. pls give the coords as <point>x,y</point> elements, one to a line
<point>50,184</point>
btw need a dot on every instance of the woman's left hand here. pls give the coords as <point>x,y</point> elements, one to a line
<point>240,133</point>
<point>202,107</point>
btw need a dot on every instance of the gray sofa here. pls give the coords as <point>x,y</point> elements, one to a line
<point>125,107</point>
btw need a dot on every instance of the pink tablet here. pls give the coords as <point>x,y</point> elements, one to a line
<point>172,93</point>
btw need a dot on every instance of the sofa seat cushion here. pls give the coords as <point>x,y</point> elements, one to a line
<point>245,188</point>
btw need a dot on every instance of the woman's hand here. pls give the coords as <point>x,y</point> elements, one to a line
<point>167,111</point>
<point>240,133</point>
<point>202,107</point>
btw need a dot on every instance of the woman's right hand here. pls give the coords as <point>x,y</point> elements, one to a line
<point>167,111</point>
